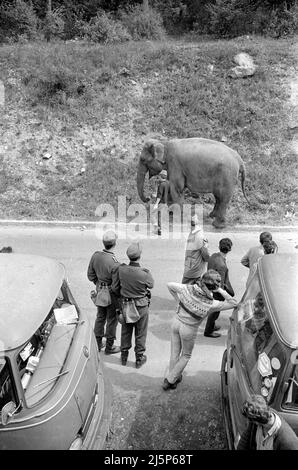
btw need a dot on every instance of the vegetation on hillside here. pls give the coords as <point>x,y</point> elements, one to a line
<point>76,116</point>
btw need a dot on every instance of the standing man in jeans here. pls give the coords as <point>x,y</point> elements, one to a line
<point>196,253</point>
<point>103,270</point>
<point>162,197</point>
<point>217,261</point>
<point>135,282</point>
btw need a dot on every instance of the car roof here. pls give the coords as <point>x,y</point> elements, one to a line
<point>278,274</point>
<point>29,285</point>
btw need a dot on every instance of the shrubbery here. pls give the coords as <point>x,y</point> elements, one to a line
<point>143,23</point>
<point>103,28</point>
<point>17,20</point>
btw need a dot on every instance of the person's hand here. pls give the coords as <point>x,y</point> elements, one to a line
<point>155,207</point>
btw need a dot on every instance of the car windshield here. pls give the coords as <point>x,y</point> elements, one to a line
<point>258,340</point>
<point>7,393</point>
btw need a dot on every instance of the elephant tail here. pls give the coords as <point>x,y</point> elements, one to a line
<point>242,173</point>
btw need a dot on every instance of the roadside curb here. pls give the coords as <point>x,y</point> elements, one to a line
<point>87,224</point>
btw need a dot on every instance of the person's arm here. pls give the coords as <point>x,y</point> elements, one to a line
<point>229,302</point>
<point>205,253</point>
<point>245,439</point>
<point>149,280</point>
<point>227,285</point>
<point>245,260</point>
<point>91,274</point>
<point>175,288</point>
<point>115,286</point>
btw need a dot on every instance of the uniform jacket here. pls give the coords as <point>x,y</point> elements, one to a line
<point>218,262</point>
<point>103,267</point>
<point>134,281</point>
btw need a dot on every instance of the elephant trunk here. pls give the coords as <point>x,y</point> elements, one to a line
<point>142,170</point>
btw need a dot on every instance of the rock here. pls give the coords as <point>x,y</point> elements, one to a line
<point>210,68</point>
<point>224,139</point>
<point>245,67</point>
<point>47,156</point>
<point>83,170</point>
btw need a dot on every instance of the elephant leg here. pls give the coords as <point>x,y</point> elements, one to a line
<point>221,210</point>
<point>213,213</point>
<point>176,190</point>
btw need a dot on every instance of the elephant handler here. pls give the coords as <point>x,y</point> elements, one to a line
<point>135,283</point>
<point>196,253</point>
<point>162,197</point>
<point>102,271</point>
<point>194,303</point>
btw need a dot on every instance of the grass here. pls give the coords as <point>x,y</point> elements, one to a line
<point>92,107</point>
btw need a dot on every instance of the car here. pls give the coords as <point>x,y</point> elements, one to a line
<point>261,356</point>
<point>54,393</point>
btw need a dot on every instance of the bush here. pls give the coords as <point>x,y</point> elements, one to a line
<point>227,18</point>
<point>17,19</point>
<point>282,22</point>
<point>103,28</point>
<point>53,24</point>
<point>143,23</point>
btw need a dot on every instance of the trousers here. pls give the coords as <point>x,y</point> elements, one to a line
<point>106,318</point>
<point>140,329</point>
<point>213,316</point>
<point>182,342</point>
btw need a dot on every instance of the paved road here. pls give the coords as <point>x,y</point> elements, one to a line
<point>144,416</point>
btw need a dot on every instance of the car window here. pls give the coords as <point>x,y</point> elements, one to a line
<point>291,395</point>
<point>256,338</point>
<point>31,359</point>
<point>7,393</point>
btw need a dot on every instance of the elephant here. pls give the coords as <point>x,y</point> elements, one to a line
<point>199,164</point>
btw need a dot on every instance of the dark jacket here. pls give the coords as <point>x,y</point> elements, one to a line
<point>134,281</point>
<point>285,439</point>
<point>163,191</point>
<point>103,267</point>
<point>218,262</point>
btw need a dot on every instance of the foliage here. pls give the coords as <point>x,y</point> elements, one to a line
<point>283,22</point>
<point>143,23</point>
<point>53,24</point>
<point>103,28</point>
<point>17,19</point>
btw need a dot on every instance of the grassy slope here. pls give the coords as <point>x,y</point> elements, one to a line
<point>93,107</point>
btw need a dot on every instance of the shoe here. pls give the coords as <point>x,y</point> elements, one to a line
<point>123,360</point>
<point>159,232</point>
<point>140,361</point>
<point>216,328</point>
<point>178,380</point>
<point>167,385</point>
<point>112,350</point>
<point>212,335</point>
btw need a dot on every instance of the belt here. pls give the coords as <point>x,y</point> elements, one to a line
<point>103,284</point>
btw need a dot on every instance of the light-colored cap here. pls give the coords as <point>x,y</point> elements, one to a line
<point>134,251</point>
<point>164,173</point>
<point>195,219</point>
<point>109,236</point>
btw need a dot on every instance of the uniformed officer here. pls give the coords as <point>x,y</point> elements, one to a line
<point>103,271</point>
<point>134,284</point>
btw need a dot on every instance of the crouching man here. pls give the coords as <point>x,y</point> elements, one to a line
<point>134,284</point>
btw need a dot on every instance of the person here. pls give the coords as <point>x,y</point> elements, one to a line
<point>270,247</point>
<point>250,259</point>
<point>196,253</point>
<point>217,261</point>
<point>162,197</point>
<point>135,281</point>
<point>194,303</point>
<point>267,430</point>
<point>103,271</point>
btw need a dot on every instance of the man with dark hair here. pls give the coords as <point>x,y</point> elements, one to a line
<point>250,259</point>
<point>134,284</point>
<point>218,262</point>
<point>102,271</point>
<point>266,430</point>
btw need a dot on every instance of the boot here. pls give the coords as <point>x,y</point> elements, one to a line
<point>111,348</point>
<point>124,356</point>
<point>140,360</point>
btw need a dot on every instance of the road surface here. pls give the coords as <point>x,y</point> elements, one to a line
<point>145,416</point>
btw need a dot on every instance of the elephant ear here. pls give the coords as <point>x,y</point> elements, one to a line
<point>156,149</point>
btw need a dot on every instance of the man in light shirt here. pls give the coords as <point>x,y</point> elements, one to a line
<point>250,259</point>
<point>196,253</point>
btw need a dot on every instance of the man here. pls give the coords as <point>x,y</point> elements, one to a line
<point>196,253</point>
<point>217,261</point>
<point>250,259</point>
<point>162,197</point>
<point>103,271</point>
<point>134,284</point>
<point>266,430</point>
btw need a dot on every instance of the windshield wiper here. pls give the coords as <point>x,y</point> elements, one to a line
<point>52,378</point>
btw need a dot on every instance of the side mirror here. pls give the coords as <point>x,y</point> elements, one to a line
<point>7,412</point>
